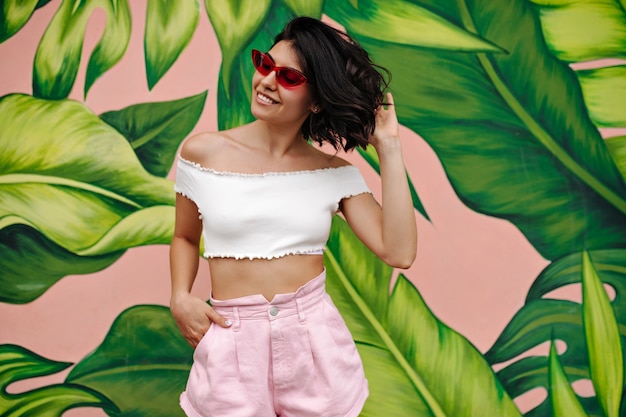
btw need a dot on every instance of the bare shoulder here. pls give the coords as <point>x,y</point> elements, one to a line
<point>205,147</point>
<point>329,160</point>
<point>197,146</point>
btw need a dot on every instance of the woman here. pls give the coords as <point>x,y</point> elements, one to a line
<point>271,342</point>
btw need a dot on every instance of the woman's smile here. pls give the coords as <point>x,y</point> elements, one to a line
<point>265,99</point>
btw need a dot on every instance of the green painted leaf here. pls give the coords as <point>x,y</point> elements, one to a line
<point>542,320</point>
<point>603,341</point>
<point>31,263</point>
<point>169,28</point>
<point>564,402</point>
<point>402,22</point>
<point>58,55</point>
<point>17,363</point>
<point>534,324</point>
<point>312,8</point>
<point>371,157</point>
<point>587,30</point>
<point>579,31</point>
<point>131,231</point>
<point>155,130</point>
<point>611,267</point>
<point>113,43</point>
<point>13,15</point>
<point>76,181</point>
<point>617,147</point>
<point>235,23</point>
<point>523,375</point>
<point>605,94</point>
<point>72,155</point>
<point>142,365</point>
<point>234,106</point>
<point>415,364</point>
<point>511,131</point>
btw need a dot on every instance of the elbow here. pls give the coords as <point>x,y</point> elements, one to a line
<point>401,261</point>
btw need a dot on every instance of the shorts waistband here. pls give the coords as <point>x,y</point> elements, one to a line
<point>282,305</point>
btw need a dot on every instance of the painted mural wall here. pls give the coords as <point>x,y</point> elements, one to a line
<point>514,115</point>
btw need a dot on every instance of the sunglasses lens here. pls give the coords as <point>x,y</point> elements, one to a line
<point>290,78</point>
<point>262,62</point>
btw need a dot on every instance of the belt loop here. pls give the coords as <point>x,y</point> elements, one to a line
<point>236,322</point>
<point>300,311</point>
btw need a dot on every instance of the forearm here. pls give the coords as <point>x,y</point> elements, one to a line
<point>399,230</point>
<point>184,261</point>
<point>192,315</point>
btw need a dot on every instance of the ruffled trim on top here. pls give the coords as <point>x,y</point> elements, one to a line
<point>181,192</point>
<point>267,257</point>
<point>178,191</point>
<point>338,204</point>
<point>357,193</point>
<point>263,174</point>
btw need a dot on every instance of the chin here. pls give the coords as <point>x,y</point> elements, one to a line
<point>262,112</point>
<point>256,113</point>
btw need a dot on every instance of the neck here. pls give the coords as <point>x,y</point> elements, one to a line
<point>279,140</point>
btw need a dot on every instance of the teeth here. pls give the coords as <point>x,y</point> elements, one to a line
<point>266,99</point>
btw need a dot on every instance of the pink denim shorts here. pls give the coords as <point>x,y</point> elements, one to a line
<point>292,357</point>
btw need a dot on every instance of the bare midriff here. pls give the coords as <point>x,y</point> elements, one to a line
<point>234,278</point>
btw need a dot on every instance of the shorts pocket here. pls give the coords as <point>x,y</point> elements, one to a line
<point>213,369</point>
<point>199,354</point>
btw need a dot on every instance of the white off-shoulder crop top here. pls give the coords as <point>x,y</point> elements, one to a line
<point>266,215</point>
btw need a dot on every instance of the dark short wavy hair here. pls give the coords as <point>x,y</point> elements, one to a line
<point>344,82</point>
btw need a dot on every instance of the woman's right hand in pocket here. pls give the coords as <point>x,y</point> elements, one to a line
<point>194,317</point>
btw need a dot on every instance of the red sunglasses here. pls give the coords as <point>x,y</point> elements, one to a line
<point>286,77</point>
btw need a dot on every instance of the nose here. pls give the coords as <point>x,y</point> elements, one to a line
<point>269,81</point>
